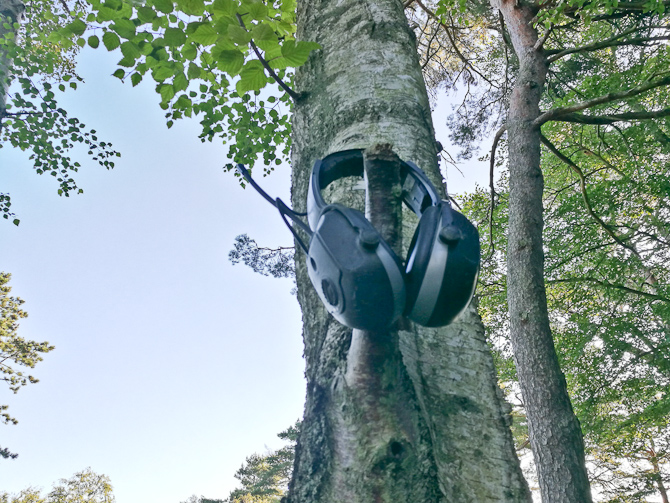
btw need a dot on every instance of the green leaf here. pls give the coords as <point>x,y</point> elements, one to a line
<point>125,28</point>
<point>238,34</point>
<point>16,221</point>
<point>204,35</point>
<point>146,14</point>
<point>263,31</point>
<point>81,42</point>
<point>230,61</point>
<point>162,72</point>
<point>180,82</point>
<point>167,92</point>
<point>224,7</point>
<point>55,37</point>
<point>127,62</point>
<point>252,77</point>
<point>110,40</point>
<point>297,53</point>
<point>265,38</point>
<point>164,6</point>
<point>193,71</point>
<point>135,78</point>
<point>257,10</point>
<point>130,50</point>
<point>190,52</point>
<point>93,41</point>
<point>119,74</point>
<point>191,7</point>
<point>76,27</point>
<point>174,37</point>
<point>272,52</point>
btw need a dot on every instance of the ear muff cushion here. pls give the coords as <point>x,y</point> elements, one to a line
<point>460,275</point>
<point>418,254</point>
<point>441,278</point>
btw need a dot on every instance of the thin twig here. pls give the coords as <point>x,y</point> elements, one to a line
<point>460,55</point>
<point>265,64</point>
<point>15,114</point>
<point>496,139</point>
<point>610,285</point>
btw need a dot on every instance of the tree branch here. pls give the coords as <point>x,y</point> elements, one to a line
<point>610,285</point>
<point>496,139</point>
<point>540,41</point>
<point>585,196</point>
<point>465,60</point>
<point>553,115</point>
<point>612,118</point>
<point>555,54</point>
<point>295,96</point>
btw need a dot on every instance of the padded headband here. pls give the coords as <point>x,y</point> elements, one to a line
<point>418,192</point>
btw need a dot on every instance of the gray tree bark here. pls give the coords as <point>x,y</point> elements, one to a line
<point>11,11</point>
<point>555,434</point>
<point>414,414</point>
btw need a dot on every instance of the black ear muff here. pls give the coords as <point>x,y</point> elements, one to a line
<point>442,267</point>
<point>355,272</point>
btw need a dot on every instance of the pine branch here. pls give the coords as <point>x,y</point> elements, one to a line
<point>611,285</point>
<point>553,115</point>
<point>460,55</point>
<point>633,41</point>
<point>612,118</point>
<point>295,96</point>
<point>555,54</point>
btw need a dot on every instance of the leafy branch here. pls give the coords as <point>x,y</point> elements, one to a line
<point>614,41</point>
<point>607,284</point>
<point>267,67</point>
<point>587,201</point>
<point>612,118</point>
<point>554,114</point>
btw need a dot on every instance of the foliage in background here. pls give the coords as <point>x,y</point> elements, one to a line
<point>265,478</point>
<point>83,487</point>
<point>201,499</point>
<point>611,337</point>
<point>38,69</point>
<point>15,351</point>
<point>605,126</point>
<point>275,262</point>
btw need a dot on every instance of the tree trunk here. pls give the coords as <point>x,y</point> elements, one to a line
<point>11,11</point>
<point>412,415</point>
<point>555,434</point>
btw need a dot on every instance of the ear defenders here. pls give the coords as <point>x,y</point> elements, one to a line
<point>356,274</point>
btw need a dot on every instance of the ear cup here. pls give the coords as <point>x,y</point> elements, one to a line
<point>418,258</point>
<point>354,271</point>
<point>442,267</point>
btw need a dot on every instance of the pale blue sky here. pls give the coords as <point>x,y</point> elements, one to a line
<point>171,365</point>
